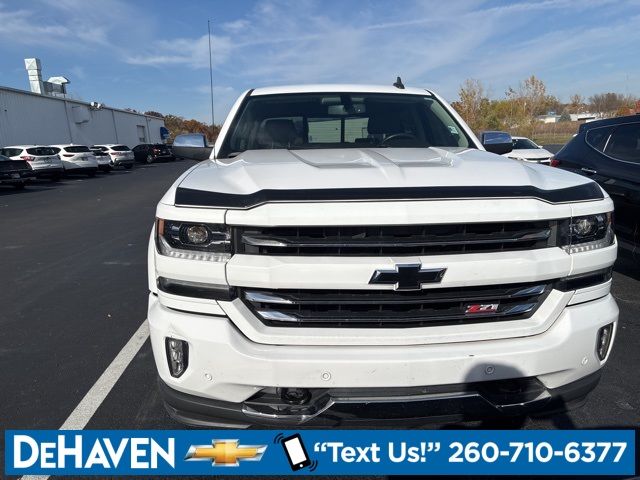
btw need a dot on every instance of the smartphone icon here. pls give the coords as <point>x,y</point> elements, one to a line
<point>295,451</point>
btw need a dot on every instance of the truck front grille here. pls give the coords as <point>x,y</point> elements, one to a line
<point>441,239</point>
<point>395,309</point>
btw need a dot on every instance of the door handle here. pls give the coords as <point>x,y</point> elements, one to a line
<point>588,170</point>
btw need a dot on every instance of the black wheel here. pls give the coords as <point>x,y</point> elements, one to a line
<point>91,174</point>
<point>149,158</point>
<point>19,186</point>
<point>128,166</point>
<point>56,178</point>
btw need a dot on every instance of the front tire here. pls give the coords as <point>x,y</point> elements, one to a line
<point>128,166</point>
<point>149,159</point>
<point>19,186</point>
<point>91,174</point>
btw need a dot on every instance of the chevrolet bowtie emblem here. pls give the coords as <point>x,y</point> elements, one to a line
<point>409,276</point>
<point>225,453</point>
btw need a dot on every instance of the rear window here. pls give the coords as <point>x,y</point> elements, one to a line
<point>598,137</point>
<point>77,149</point>
<point>4,159</point>
<point>11,152</point>
<point>120,148</point>
<point>41,151</point>
<point>625,143</point>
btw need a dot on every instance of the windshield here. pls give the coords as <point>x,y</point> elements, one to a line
<point>523,143</point>
<point>120,148</point>
<point>342,120</point>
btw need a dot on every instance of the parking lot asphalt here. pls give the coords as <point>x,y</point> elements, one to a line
<point>74,290</point>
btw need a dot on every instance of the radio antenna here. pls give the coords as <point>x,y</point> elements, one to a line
<point>213,121</point>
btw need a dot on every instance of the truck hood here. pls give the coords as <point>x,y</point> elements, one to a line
<point>351,168</point>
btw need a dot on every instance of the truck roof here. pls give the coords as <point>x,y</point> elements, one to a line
<point>330,88</point>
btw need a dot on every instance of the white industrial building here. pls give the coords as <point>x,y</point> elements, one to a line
<point>41,117</point>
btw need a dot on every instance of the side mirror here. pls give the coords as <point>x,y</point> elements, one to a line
<point>193,146</point>
<point>497,142</point>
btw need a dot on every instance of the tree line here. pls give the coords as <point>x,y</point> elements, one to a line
<point>519,109</point>
<point>178,125</point>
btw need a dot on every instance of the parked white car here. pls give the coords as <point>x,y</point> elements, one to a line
<point>120,155</point>
<point>356,253</point>
<point>103,159</point>
<point>527,150</point>
<point>77,159</point>
<point>42,159</point>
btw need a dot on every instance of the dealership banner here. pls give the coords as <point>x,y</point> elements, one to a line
<point>319,452</point>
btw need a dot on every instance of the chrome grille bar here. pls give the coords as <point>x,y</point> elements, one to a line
<point>394,309</point>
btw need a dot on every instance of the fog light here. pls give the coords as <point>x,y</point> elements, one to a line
<point>295,396</point>
<point>604,340</point>
<point>177,356</point>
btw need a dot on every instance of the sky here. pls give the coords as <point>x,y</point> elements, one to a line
<point>153,54</point>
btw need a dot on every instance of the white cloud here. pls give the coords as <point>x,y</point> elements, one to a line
<point>14,24</point>
<point>65,24</point>
<point>236,26</point>
<point>183,51</point>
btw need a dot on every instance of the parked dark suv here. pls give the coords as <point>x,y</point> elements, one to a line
<point>149,153</point>
<point>608,151</point>
<point>15,172</point>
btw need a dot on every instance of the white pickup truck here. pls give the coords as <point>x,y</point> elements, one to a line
<point>356,254</point>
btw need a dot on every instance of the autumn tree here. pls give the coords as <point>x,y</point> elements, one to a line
<point>529,100</point>
<point>154,113</point>
<point>576,103</point>
<point>608,104</point>
<point>178,125</point>
<point>473,104</point>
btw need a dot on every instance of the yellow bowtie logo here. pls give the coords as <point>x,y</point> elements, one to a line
<point>225,453</point>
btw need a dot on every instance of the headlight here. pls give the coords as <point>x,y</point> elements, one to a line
<point>193,241</point>
<point>590,232</point>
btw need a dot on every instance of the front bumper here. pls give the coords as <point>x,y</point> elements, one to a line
<point>225,367</point>
<point>360,407</point>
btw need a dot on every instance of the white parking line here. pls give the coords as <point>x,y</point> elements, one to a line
<point>96,395</point>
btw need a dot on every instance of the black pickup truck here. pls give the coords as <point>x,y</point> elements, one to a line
<point>15,172</point>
